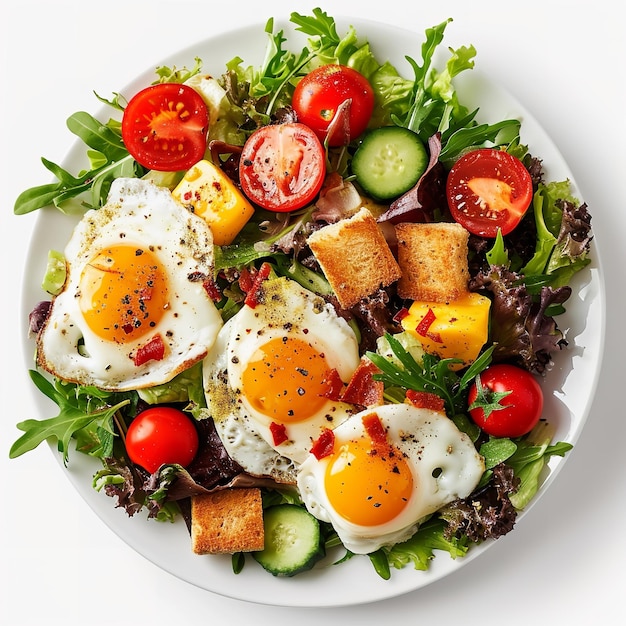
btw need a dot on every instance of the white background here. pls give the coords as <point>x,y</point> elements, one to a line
<point>564,563</point>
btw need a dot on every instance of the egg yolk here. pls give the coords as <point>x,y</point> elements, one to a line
<point>123,293</point>
<point>284,380</point>
<point>368,483</point>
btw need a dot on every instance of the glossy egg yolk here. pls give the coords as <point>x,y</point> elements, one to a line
<point>368,484</point>
<point>123,293</point>
<point>284,380</point>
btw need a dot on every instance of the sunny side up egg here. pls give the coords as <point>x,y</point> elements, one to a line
<point>133,312</point>
<point>387,469</point>
<point>265,377</point>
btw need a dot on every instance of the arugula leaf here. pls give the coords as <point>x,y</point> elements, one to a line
<point>76,415</point>
<point>109,160</point>
<point>432,374</point>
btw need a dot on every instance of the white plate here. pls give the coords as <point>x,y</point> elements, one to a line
<point>569,387</point>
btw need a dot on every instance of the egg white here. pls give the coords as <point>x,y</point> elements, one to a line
<point>142,214</point>
<point>443,461</point>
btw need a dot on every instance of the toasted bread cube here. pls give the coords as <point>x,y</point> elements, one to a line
<point>227,521</point>
<point>355,257</point>
<point>433,260</point>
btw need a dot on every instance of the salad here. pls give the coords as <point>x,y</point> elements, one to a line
<point>520,259</point>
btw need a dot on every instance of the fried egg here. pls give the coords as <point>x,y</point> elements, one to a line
<point>388,468</point>
<point>133,312</point>
<point>269,378</point>
<point>234,428</point>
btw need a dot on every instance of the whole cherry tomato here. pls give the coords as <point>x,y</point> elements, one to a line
<point>161,435</point>
<point>505,401</point>
<point>319,95</point>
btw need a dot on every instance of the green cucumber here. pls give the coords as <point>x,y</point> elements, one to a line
<point>389,161</point>
<point>293,540</point>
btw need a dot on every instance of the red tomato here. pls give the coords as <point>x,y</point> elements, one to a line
<point>161,435</point>
<point>508,402</point>
<point>165,127</point>
<point>318,96</point>
<point>282,167</point>
<point>487,190</point>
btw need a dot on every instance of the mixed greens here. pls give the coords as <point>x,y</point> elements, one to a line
<point>526,274</point>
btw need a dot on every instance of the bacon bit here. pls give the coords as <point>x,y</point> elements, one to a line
<point>251,284</point>
<point>375,429</point>
<point>424,326</point>
<point>362,388</point>
<point>400,315</point>
<point>333,385</point>
<point>425,400</point>
<point>154,350</point>
<point>324,445</point>
<point>213,291</point>
<point>279,433</point>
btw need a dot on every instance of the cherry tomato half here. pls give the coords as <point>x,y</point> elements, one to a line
<point>165,126</point>
<point>489,189</point>
<point>319,94</point>
<point>507,403</point>
<point>161,435</point>
<point>282,166</point>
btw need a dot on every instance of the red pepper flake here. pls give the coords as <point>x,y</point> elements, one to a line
<point>146,294</point>
<point>423,328</point>
<point>333,385</point>
<point>425,400</point>
<point>279,433</point>
<point>154,350</point>
<point>400,315</point>
<point>362,388</point>
<point>324,445</point>
<point>252,285</point>
<point>375,429</point>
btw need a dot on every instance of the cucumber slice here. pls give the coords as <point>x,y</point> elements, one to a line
<point>389,161</point>
<point>292,540</point>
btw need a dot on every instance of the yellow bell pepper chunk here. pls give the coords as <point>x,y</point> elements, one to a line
<point>214,197</point>
<point>456,329</point>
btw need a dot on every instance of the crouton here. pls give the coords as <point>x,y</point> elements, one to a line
<point>227,521</point>
<point>355,257</point>
<point>433,261</point>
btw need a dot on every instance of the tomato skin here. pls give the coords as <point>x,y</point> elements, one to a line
<point>521,408</point>
<point>165,126</point>
<point>282,166</point>
<point>161,435</point>
<point>489,190</point>
<point>319,94</point>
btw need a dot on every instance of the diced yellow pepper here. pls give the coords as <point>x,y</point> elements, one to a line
<point>456,329</point>
<point>215,198</point>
